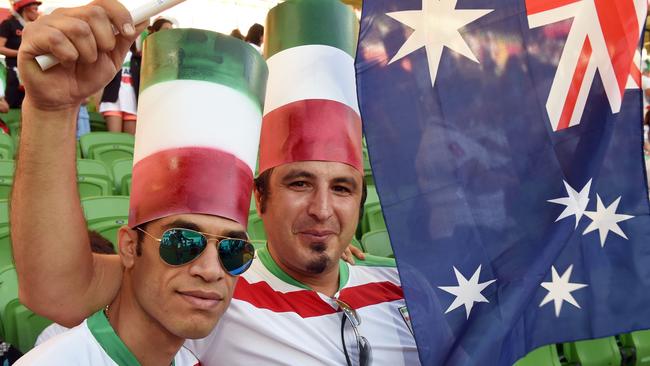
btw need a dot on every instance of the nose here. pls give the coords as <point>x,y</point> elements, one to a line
<point>320,205</point>
<point>207,265</point>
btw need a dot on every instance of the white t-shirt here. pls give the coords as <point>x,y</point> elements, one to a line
<point>93,342</point>
<point>275,320</point>
<point>51,331</point>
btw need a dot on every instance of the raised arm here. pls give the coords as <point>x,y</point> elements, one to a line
<point>58,275</point>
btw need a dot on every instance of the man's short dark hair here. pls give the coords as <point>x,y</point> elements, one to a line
<point>262,187</point>
<point>99,244</point>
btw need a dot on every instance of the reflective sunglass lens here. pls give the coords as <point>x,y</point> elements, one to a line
<point>236,255</point>
<point>178,246</point>
<point>365,352</point>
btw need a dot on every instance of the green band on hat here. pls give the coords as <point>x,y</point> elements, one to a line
<point>193,54</point>
<point>306,22</point>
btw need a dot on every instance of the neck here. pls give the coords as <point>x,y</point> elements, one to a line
<point>326,282</point>
<point>146,338</point>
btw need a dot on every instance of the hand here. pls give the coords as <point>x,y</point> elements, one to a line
<point>83,40</point>
<point>350,252</point>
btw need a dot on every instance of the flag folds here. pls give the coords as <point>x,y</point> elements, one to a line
<point>505,140</point>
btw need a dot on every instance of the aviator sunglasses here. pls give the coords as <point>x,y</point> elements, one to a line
<point>179,246</point>
<point>365,351</point>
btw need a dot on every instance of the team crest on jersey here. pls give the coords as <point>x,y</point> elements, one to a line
<point>407,318</point>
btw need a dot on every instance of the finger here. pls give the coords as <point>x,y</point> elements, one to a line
<point>347,255</point>
<point>357,252</point>
<point>119,16</point>
<point>80,34</point>
<point>41,39</point>
<point>100,24</point>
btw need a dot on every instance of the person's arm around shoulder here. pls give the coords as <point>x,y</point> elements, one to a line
<point>58,275</point>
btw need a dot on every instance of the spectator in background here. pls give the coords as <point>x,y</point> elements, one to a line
<point>119,101</point>
<point>11,31</point>
<point>99,245</point>
<point>255,36</point>
<point>160,24</point>
<point>237,34</point>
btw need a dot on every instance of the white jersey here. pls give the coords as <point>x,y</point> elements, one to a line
<point>93,342</point>
<point>275,320</point>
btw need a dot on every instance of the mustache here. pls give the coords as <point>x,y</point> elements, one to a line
<point>310,224</point>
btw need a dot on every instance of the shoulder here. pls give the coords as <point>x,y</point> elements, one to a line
<point>64,348</point>
<point>375,261</point>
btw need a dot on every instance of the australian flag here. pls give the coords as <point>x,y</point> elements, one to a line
<point>505,138</point>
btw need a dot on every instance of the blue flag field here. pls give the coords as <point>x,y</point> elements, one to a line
<point>505,138</point>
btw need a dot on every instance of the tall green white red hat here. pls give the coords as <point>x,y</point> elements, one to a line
<point>199,121</point>
<point>311,110</point>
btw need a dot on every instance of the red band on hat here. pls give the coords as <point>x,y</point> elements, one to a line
<point>22,3</point>
<point>190,180</point>
<point>313,129</point>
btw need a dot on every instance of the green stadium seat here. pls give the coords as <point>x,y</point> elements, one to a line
<point>97,122</point>
<point>93,178</point>
<point>122,172</point>
<point>22,326</point>
<point>256,228</point>
<point>106,215</point>
<point>6,147</point>
<point>4,217</point>
<point>639,343</point>
<point>373,218</point>
<point>28,326</point>
<point>8,292</point>
<point>110,153</point>
<point>6,256</point>
<point>94,140</point>
<point>542,356</point>
<point>7,168</point>
<point>377,243</point>
<point>593,352</point>
<point>12,116</point>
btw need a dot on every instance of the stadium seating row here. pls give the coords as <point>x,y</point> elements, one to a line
<point>625,349</point>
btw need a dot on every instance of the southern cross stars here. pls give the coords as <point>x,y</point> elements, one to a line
<point>467,292</point>
<point>605,219</point>
<point>436,26</point>
<point>560,289</point>
<point>575,202</point>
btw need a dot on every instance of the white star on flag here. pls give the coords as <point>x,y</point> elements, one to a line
<point>560,289</point>
<point>467,292</point>
<point>605,219</point>
<point>436,26</point>
<point>575,202</point>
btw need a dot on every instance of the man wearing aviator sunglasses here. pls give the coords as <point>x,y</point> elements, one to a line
<point>185,245</point>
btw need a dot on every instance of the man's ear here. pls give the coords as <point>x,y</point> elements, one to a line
<point>127,246</point>
<point>258,197</point>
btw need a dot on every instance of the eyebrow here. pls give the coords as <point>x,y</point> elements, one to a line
<point>346,180</point>
<point>293,174</point>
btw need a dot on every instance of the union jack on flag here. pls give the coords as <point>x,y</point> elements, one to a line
<point>505,142</point>
<point>604,37</point>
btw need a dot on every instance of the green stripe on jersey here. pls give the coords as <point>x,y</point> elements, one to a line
<point>193,54</point>
<point>103,332</point>
<point>375,261</point>
<point>268,262</point>
<point>304,22</point>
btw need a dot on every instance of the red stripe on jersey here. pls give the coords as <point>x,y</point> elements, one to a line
<point>307,303</point>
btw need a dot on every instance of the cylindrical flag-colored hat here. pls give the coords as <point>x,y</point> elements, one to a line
<point>311,110</point>
<point>199,121</point>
